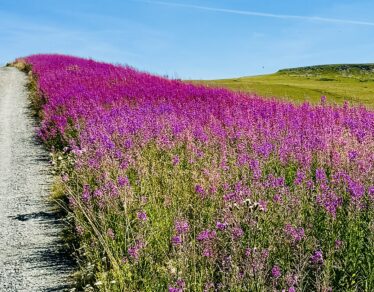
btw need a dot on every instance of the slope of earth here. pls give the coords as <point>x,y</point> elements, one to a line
<point>353,83</point>
<point>30,251</point>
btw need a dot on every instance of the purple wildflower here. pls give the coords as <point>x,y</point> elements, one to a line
<point>262,205</point>
<point>65,178</point>
<point>134,250</point>
<point>277,198</point>
<point>296,234</point>
<point>300,176</point>
<point>317,257</point>
<point>142,216</point>
<point>330,202</point>
<point>181,283</point>
<point>175,289</point>
<point>352,155</point>
<point>175,160</point>
<point>221,225</point>
<point>176,240</point>
<point>206,235</point>
<point>208,252</point>
<point>110,233</point>
<point>237,232</point>
<point>86,193</point>
<point>123,181</point>
<point>276,272</point>
<point>181,226</point>
<point>338,244</point>
<point>321,175</point>
<point>200,191</point>
<point>79,229</point>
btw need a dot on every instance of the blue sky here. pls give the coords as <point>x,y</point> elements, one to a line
<point>192,39</point>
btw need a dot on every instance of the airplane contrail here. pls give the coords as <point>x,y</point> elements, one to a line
<point>260,14</point>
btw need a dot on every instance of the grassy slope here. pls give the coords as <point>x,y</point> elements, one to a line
<point>354,83</point>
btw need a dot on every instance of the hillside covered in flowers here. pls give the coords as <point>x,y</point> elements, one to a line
<point>179,187</point>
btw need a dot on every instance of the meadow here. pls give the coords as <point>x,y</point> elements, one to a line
<point>172,186</point>
<point>352,82</point>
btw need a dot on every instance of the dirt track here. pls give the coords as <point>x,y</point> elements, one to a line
<point>31,257</point>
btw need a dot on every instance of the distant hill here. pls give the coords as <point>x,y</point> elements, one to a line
<point>339,82</point>
<point>337,68</point>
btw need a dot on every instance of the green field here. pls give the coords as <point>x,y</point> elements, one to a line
<point>351,82</point>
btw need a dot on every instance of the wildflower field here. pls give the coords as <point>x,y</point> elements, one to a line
<point>180,187</point>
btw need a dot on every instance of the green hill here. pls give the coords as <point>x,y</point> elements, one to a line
<point>340,82</point>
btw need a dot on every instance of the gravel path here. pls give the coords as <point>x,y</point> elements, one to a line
<point>31,257</point>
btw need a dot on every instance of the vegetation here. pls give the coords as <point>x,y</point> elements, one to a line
<point>179,187</point>
<point>353,83</point>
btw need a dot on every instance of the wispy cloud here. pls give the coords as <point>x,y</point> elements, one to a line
<point>261,14</point>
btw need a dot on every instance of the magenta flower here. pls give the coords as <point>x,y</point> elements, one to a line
<point>237,232</point>
<point>323,99</point>
<point>181,226</point>
<point>262,205</point>
<point>175,160</point>
<point>321,175</point>
<point>175,289</point>
<point>180,285</point>
<point>86,196</point>
<point>123,181</point>
<point>296,234</point>
<point>276,272</point>
<point>352,155</point>
<point>134,251</point>
<point>221,225</point>
<point>208,252</point>
<point>338,244</point>
<point>110,233</point>
<point>317,257</point>
<point>206,235</point>
<point>142,216</point>
<point>176,240</point>
<point>80,230</point>
<point>200,191</point>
